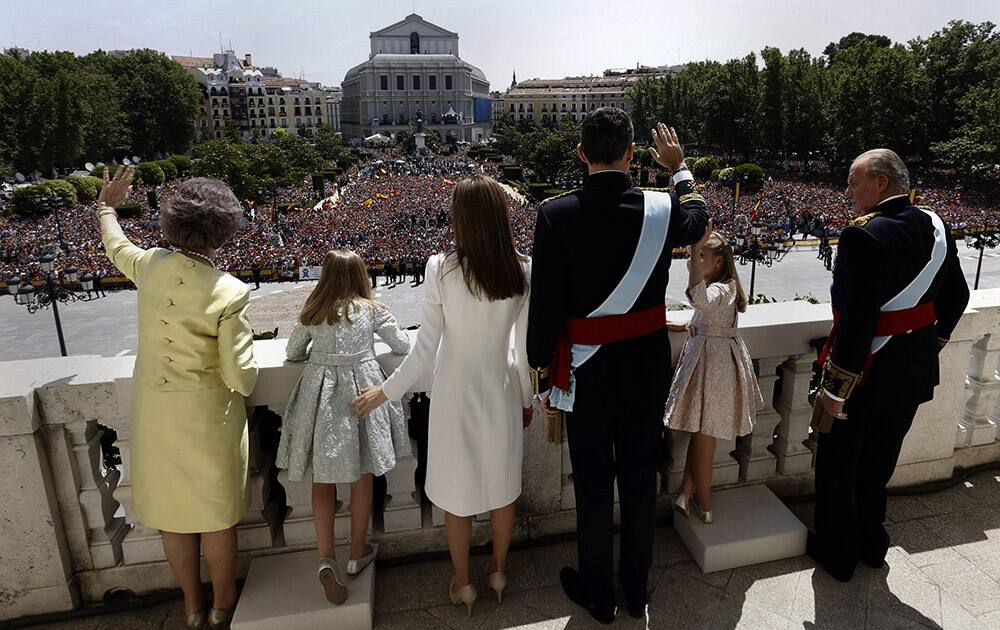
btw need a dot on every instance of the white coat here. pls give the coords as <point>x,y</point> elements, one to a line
<point>481,383</point>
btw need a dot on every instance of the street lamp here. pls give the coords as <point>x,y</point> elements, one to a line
<point>53,292</point>
<point>750,249</point>
<point>981,240</point>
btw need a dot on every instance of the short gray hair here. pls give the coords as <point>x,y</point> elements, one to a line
<point>203,214</point>
<point>887,162</point>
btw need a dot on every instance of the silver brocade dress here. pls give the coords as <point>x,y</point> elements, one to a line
<point>318,432</point>
<point>715,390</point>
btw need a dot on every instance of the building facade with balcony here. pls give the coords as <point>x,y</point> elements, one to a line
<point>237,95</point>
<point>414,71</point>
<point>547,101</point>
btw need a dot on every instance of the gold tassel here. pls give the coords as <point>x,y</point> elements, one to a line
<point>554,431</point>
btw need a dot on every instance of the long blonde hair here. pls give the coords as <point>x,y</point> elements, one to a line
<point>719,246</point>
<point>344,280</point>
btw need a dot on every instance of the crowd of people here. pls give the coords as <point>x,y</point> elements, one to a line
<point>394,211</point>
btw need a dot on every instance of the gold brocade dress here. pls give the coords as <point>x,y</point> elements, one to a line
<point>714,390</point>
<point>193,368</point>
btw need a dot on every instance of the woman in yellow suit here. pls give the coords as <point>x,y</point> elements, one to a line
<point>193,368</point>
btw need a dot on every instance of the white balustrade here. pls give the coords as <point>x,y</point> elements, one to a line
<point>78,512</point>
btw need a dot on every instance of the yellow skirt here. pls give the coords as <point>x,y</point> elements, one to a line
<point>189,459</point>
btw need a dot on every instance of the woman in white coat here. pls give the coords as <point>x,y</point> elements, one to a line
<point>481,396</point>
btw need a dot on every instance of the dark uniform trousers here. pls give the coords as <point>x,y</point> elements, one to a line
<point>854,462</point>
<point>612,438</point>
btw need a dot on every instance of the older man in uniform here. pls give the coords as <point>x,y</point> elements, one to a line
<point>898,293</point>
<point>597,317</point>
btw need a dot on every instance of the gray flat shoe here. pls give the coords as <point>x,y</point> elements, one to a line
<point>357,566</point>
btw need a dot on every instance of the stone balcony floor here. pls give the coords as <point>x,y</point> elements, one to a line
<point>942,572</point>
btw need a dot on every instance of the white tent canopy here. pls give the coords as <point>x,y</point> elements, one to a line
<point>379,138</point>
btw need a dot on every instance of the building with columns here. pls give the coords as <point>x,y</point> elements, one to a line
<point>414,70</point>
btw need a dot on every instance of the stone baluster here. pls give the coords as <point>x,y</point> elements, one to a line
<point>402,502</point>
<point>980,418</point>
<point>796,413</point>
<point>757,462</point>
<point>103,517</point>
<point>254,531</point>
<point>142,544</point>
<point>679,441</point>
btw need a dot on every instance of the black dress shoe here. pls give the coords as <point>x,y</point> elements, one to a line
<point>637,611</point>
<point>572,585</point>
<point>839,566</point>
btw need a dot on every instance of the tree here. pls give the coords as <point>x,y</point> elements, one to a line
<point>803,114</point>
<point>773,96</point>
<point>329,145</point>
<point>833,49</point>
<point>956,60</point>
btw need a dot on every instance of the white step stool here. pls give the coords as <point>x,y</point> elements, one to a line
<point>283,591</point>
<point>751,526</point>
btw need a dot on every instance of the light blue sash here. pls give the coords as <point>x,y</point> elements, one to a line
<point>655,221</point>
<point>910,296</point>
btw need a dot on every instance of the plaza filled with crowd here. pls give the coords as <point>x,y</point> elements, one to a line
<point>394,211</point>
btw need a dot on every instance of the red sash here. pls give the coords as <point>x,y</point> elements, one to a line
<point>599,331</point>
<point>890,324</point>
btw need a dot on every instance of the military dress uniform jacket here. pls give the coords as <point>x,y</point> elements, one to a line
<point>584,243</point>
<point>877,257</point>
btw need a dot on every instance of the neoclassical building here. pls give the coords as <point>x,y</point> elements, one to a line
<point>414,69</point>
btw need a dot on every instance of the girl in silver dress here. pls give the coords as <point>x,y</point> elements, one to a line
<point>335,336</point>
<point>714,394</point>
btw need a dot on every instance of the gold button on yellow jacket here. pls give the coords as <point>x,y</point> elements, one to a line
<point>193,368</point>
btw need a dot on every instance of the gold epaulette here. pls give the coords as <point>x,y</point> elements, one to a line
<point>656,189</point>
<point>537,376</point>
<point>861,221</point>
<point>559,196</point>
<point>838,381</point>
<point>691,197</point>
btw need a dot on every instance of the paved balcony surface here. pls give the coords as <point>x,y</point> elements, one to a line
<point>942,572</point>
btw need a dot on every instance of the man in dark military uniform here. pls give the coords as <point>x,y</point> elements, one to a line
<point>898,292</point>
<point>587,248</point>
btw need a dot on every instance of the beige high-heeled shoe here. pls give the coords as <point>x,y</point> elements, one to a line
<point>197,619</point>
<point>219,618</point>
<point>466,595</point>
<point>705,515</point>
<point>497,581</point>
<point>681,504</point>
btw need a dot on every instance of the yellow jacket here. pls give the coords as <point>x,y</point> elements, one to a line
<point>194,333</point>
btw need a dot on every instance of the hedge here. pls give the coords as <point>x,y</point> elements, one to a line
<point>87,187</point>
<point>169,170</point>
<point>149,174</point>
<point>99,170</point>
<point>749,175</point>
<point>662,179</point>
<point>182,163</point>
<point>703,167</point>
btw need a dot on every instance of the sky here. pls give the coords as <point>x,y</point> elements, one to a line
<point>321,40</point>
